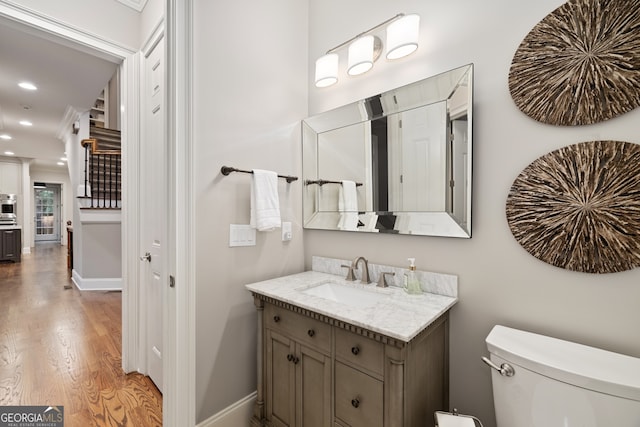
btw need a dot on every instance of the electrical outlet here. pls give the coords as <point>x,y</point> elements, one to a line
<point>287,233</point>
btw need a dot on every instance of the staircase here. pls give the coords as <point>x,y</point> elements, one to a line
<point>102,170</point>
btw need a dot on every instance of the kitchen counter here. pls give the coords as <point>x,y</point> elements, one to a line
<point>400,315</point>
<point>10,227</point>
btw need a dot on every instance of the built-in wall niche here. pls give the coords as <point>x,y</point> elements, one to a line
<point>578,207</point>
<point>580,64</point>
<point>104,111</point>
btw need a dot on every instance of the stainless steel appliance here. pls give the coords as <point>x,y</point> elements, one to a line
<point>8,209</point>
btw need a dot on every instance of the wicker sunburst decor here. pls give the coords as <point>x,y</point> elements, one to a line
<point>578,207</point>
<point>580,64</point>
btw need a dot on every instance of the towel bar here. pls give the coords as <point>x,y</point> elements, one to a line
<point>322,182</point>
<point>226,170</point>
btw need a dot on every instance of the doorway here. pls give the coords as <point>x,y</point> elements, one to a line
<point>47,213</point>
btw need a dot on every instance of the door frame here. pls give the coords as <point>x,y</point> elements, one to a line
<point>179,313</point>
<point>57,216</point>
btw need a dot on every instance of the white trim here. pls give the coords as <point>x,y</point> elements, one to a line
<point>236,415</point>
<point>114,284</point>
<point>103,216</point>
<point>26,250</point>
<point>137,5</point>
<point>179,316</point>
<point>65,128</point>
<point>129,97</point>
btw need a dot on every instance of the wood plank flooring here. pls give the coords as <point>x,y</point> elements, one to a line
<point>62,347</point>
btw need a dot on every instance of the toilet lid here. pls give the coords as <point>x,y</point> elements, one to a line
<point>447,419</point>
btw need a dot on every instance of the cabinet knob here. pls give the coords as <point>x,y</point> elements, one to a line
<point>311,332</point>
<point>290,357</point>
<point>355,403</point>
<point>355,350</point>
<point>276,318</point>
<point>296,360</point>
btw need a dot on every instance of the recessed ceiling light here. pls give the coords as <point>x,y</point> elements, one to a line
<point>5,136</point>
<point>27,86</point>
<point>26,123</point>
<point>60,164</point>
<point>9,153</point>
<point>64,159</point>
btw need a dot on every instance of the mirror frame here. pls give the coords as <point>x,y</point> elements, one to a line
<point>425,92</point>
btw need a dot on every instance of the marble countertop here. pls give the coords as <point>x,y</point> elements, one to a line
<point>400,315</point>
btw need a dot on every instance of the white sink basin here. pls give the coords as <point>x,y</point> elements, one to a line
<point>348,295</point>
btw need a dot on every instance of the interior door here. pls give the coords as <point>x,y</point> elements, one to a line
<point>424,151</point>
<point>153,210</point>
<point>47,213</point>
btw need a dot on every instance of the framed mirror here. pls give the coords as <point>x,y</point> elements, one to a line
<point>397,162</point>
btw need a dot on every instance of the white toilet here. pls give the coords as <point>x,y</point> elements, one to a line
<point>540,381</point>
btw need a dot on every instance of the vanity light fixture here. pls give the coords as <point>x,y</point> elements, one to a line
<point>402,33</point>
<point>5,136</point>
<point>25,123</point>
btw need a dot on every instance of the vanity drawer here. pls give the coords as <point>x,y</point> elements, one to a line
<point>359,398</point>
<point>301,328</point>
<point>360,351</point>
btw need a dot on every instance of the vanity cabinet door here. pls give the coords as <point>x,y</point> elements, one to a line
<point>281,384</point>
<point>298,383</point>
<point>313,391</point>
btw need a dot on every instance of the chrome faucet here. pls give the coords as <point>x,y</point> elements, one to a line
<point>365,271</point>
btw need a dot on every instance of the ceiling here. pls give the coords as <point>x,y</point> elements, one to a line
<point>65,77</point>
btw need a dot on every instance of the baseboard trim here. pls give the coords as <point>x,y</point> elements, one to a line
<point>237,414</point>
<point>26,250</point>
<point>114,284</point>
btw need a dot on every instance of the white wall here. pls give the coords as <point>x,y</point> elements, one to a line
<point>57,176</point>
<point>250,96</point>
<point>500,283</point>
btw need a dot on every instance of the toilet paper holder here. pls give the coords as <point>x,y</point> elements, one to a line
<point>453,419</point>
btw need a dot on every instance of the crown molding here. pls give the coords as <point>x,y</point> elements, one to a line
<point>137,5</point>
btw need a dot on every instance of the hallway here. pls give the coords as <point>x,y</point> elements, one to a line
<point>61,347</point>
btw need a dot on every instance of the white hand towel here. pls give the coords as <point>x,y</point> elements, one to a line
<point>265,205</point>
<point>348,206</point>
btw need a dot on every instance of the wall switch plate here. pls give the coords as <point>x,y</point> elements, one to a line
<point>241,235</point>
<point>286,231</point>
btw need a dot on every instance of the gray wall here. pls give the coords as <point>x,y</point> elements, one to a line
<point>500,283</point>
<point>250,67</point>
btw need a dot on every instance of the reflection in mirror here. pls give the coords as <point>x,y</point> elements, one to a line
<point>398,162</point>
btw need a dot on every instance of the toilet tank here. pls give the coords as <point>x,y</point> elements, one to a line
<point>561,384</point>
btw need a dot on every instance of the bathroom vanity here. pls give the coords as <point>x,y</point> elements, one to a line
<point>371,357</point>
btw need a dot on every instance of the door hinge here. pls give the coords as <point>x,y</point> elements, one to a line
<point>172,281</point>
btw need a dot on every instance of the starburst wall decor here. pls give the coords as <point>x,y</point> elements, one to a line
<point>580,64</point>
<point>578,207</point>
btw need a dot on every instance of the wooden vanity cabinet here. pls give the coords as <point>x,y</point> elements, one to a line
<point>314,370</point>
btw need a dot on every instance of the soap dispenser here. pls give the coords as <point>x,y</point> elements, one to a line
<point>411,283</point>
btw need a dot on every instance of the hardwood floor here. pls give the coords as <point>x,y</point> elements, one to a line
<point>62,347</point>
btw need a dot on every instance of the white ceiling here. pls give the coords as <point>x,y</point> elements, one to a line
<point>65,77</point>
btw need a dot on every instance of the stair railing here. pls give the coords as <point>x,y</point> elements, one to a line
<point>102,183</point>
